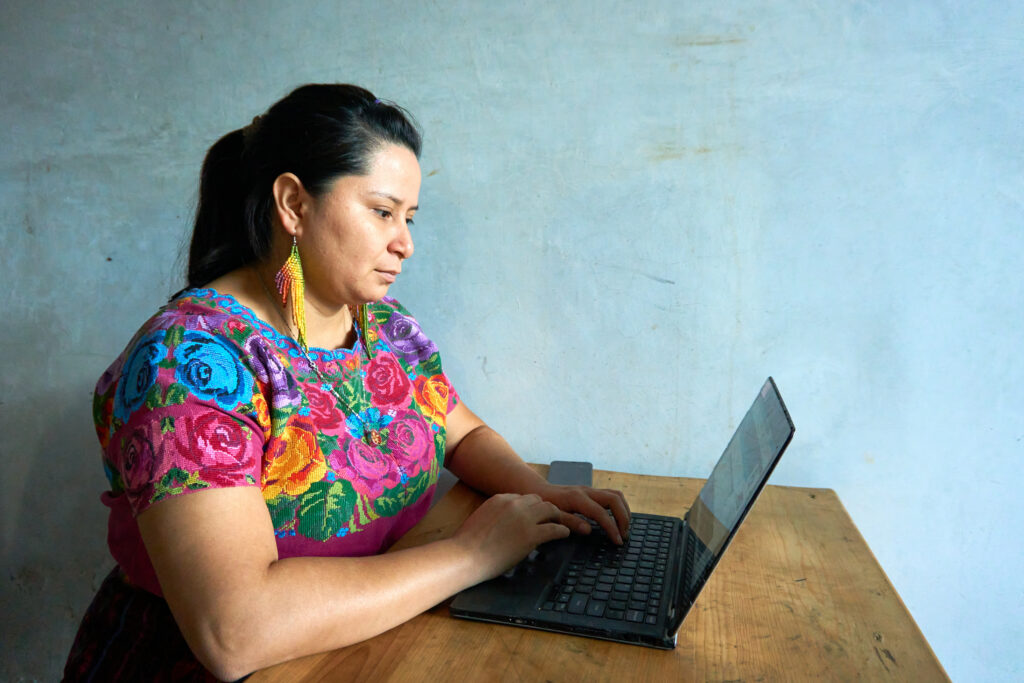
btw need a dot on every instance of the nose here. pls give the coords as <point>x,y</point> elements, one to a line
<point>402,245</point>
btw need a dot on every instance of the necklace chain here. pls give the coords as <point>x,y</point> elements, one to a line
<point>330,386</point>
<point>303,347</point>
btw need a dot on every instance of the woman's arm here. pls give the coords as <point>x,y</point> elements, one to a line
<point>240,608</point>
<point>481,458</point>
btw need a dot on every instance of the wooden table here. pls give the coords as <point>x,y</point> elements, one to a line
<point>798,596</point>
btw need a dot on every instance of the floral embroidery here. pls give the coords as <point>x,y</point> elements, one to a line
<point>432,393</point>
<point>138,375</point>
<point>387,382</point>
<point>407,339</point>
<point>322,407</point>
<point>262,413</point>
<point>295,462</point>
<point>366,468</point>
<point>210,369</point>
<point>410,444</point>
<point>209,396</point>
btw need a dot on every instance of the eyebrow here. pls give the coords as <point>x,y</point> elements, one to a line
<point>394,199</point>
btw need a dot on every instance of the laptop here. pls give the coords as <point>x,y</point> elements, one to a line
<point>640,592</point>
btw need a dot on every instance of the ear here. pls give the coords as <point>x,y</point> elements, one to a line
<point>291,203</point>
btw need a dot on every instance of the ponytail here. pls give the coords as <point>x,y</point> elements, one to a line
<point>219,240</point>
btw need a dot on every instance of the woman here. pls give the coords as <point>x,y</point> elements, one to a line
<point>281,422</point>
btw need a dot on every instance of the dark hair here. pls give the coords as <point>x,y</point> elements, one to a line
<point>319,133</point>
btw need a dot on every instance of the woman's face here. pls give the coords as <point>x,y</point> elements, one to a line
<point>355,236</point>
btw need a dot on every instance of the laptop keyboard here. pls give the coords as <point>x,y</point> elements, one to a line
<point>617,582</point>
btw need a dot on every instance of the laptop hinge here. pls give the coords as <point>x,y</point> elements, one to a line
<point>680,605</point>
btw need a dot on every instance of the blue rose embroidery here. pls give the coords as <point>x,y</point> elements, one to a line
<point>211,369</point>
<point>370,425</point>
<point>139,374</point>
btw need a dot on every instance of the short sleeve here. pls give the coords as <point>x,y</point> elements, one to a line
<point>401,333</point>
<point>179,412</point>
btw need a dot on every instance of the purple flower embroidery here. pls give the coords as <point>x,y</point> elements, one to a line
<point>268,369</point>
<point>407,339</point>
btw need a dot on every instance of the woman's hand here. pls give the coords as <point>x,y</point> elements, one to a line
<point>506,528</point>
<point>593,503</point>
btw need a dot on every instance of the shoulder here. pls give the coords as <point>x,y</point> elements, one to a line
<point>191,346</point>
<point>401,332</point>
<point>386,307</point>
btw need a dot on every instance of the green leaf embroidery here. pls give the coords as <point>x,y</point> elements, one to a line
<point>168,363</point>
<point>239,335</point>
<point>432,365</point>
<point>365,511</point>
<point>325,508</point>
<point>175,335</point>
<point>176,395</point>
<point>440,441</point>
<point>355,397</point>
<point>153,397</point>
<point>282,511</point>
<point>328,442</point>
<point>279,418</point>
<point>176,481</point>
<point>166,425</point>
<point>392,501</point>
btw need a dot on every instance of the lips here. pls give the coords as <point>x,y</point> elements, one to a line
<point>389,276</point>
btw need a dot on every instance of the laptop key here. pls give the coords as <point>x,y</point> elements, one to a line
<point>620,595</point>
<point>599,595</point>
<point>578,604</point>
<point>560,606</point>
<point>651,619</point>
<point>615,614</point>
<point>595,608</point>
<point>617,604</point>
<point>634,615</point>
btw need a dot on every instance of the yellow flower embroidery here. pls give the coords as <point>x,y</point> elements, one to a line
<point>295,464</point>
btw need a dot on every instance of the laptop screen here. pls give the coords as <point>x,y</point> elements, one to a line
<point>738,477</point>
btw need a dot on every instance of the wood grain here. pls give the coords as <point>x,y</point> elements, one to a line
<point>798,596</point>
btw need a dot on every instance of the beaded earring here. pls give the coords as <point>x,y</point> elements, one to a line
<point>291,285</point>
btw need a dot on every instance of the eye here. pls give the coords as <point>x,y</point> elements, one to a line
<point>409,221</point>
<point>383,213</point>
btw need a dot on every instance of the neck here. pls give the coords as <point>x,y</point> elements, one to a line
<point>326,327</point>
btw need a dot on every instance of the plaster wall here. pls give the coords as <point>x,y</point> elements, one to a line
<point>632,214</point>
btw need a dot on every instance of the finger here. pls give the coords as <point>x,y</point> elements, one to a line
<point>551,531</point>
<point>540,510</point>
<point>592,508</point>
<point>575,523</point>
<point>616,502</point>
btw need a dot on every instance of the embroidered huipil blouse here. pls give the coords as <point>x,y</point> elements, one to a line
<point>207,395</point>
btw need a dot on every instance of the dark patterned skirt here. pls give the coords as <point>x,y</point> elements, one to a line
<point>129,634</point>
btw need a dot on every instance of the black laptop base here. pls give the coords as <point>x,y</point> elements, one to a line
<point>600,590</point>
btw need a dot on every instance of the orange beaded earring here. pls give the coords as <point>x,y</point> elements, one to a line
<point>291,286</point>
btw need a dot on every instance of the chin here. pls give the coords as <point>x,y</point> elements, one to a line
<point>374,297</point>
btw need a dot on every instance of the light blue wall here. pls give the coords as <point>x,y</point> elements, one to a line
<point>632,213</point>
